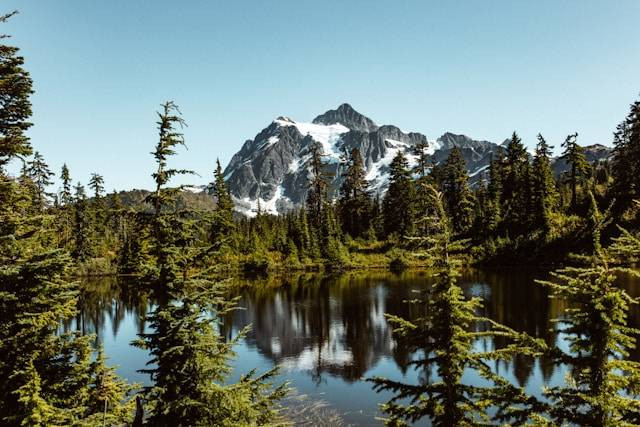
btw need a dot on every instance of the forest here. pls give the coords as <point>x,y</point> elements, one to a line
<point>584,225</point>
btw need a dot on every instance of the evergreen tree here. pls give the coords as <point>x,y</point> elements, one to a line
<point>65,194</point>
<point>516,187</point>
<point>354,203</point>
<point>443,337</point>
<point>45,375</point>
<point>223,224</point>
<point>96,184</point>
<point>15,106</point>
<point>456,192</point>
<point>494,191</point>
<point>190,360</point>
<point>544,190</point>
<point>39,173</point>
<point>82,250</point>
<point>398,205</point>
<point>625,167</point>
<point>317,195</point>
<point>602,380</point>
<point>573,154</point>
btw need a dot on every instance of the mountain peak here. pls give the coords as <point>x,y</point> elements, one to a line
<point>347,116</point>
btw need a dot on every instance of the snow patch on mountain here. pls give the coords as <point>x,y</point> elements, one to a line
<point>327,135</point>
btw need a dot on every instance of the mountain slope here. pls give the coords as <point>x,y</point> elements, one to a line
<point>271,170</point>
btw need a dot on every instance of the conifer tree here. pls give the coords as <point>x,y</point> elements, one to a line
<point>354,203</point>
<point>82,232</point>
<point>579,168</point>
<point>16,106</point>
<point>443,336</point>
<point>45,375</point>
<point>602,382</point>
<point>223,223</point>
<point>39,173</point>
<point>494,191</point>
<point>398,205</point>
<point>516,186</point>
<point>190,360</point>
<point>544,191</point>
<point>456,192</point>
<point>65,193</point>
<point>625,167</point>
<point>96,184</point>
<point>317,195</point>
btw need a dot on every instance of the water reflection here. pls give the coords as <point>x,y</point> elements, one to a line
<point>331,329</point>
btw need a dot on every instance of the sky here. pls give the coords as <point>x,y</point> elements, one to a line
<point>101,69</point>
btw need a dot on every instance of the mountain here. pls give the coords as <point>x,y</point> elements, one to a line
<point>271,170</point>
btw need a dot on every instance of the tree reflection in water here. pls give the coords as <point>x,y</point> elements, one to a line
<point>333,326</point>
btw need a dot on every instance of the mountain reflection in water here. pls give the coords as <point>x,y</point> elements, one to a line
<point>329,332</point>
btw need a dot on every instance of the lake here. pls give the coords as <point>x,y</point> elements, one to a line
<point>328,333</point>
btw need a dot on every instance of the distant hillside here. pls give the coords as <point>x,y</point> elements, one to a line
<point>199,200</point>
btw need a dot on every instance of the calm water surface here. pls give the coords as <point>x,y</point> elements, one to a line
<point>328,332</point>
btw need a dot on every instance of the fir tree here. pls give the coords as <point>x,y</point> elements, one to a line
<point>354,203</point>
<point>45,375</point>
<point>625,167</point>
<point>65,193</point>
<point>96,184</point>
<point>573,154</point>
<point>190,359</point>
<point>516,187</point>
<point>16,107</point>
<point>317,195</point>
<point>602,381</point>
<point>82,232</point>
<point>223,224</point>
<point>39,173</point>
<point>398,205</point>
<point>456,193</point>
<point>544,190</point>
<point>443,337</point>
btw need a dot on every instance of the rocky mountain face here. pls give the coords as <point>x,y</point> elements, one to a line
<point>271,170</point>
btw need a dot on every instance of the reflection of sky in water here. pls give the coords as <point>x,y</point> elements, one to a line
<point>328,334</point>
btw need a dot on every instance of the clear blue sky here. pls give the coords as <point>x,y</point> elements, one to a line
<point>482,68</point>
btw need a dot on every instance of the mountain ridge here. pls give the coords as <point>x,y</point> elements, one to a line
<point>271,170</point>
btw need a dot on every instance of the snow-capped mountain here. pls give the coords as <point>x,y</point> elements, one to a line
<point>272,169</point>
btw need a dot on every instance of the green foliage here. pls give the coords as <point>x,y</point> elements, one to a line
<point>398,204</point>
<point>602,382</point>
<point>456,192</point>
<point>191,361</point>
<point>573,154</point>
<point>443,337</point>
<point>354,204</point>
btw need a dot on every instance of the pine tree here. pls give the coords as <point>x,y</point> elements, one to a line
<point>494,191</point>
<point>318,187</point>
<point>44,375</point>
<point>602,381</point>
<point>65,193</point>
<point>456,192</point>
<point>82,250</point>
<point>190,360</point>
<point>516,187</point>
<point>223,224</point>
<point>96,183</point>
<point>544,190</point>
<point>573,154</point>
<point>39,173</point>
<point>625,167</point>
<point>443,338</point>
<point>354,203</point>
<point>16,107</point>
<point>398,205</point>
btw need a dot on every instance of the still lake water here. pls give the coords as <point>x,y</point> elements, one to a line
<point>328,332</point>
